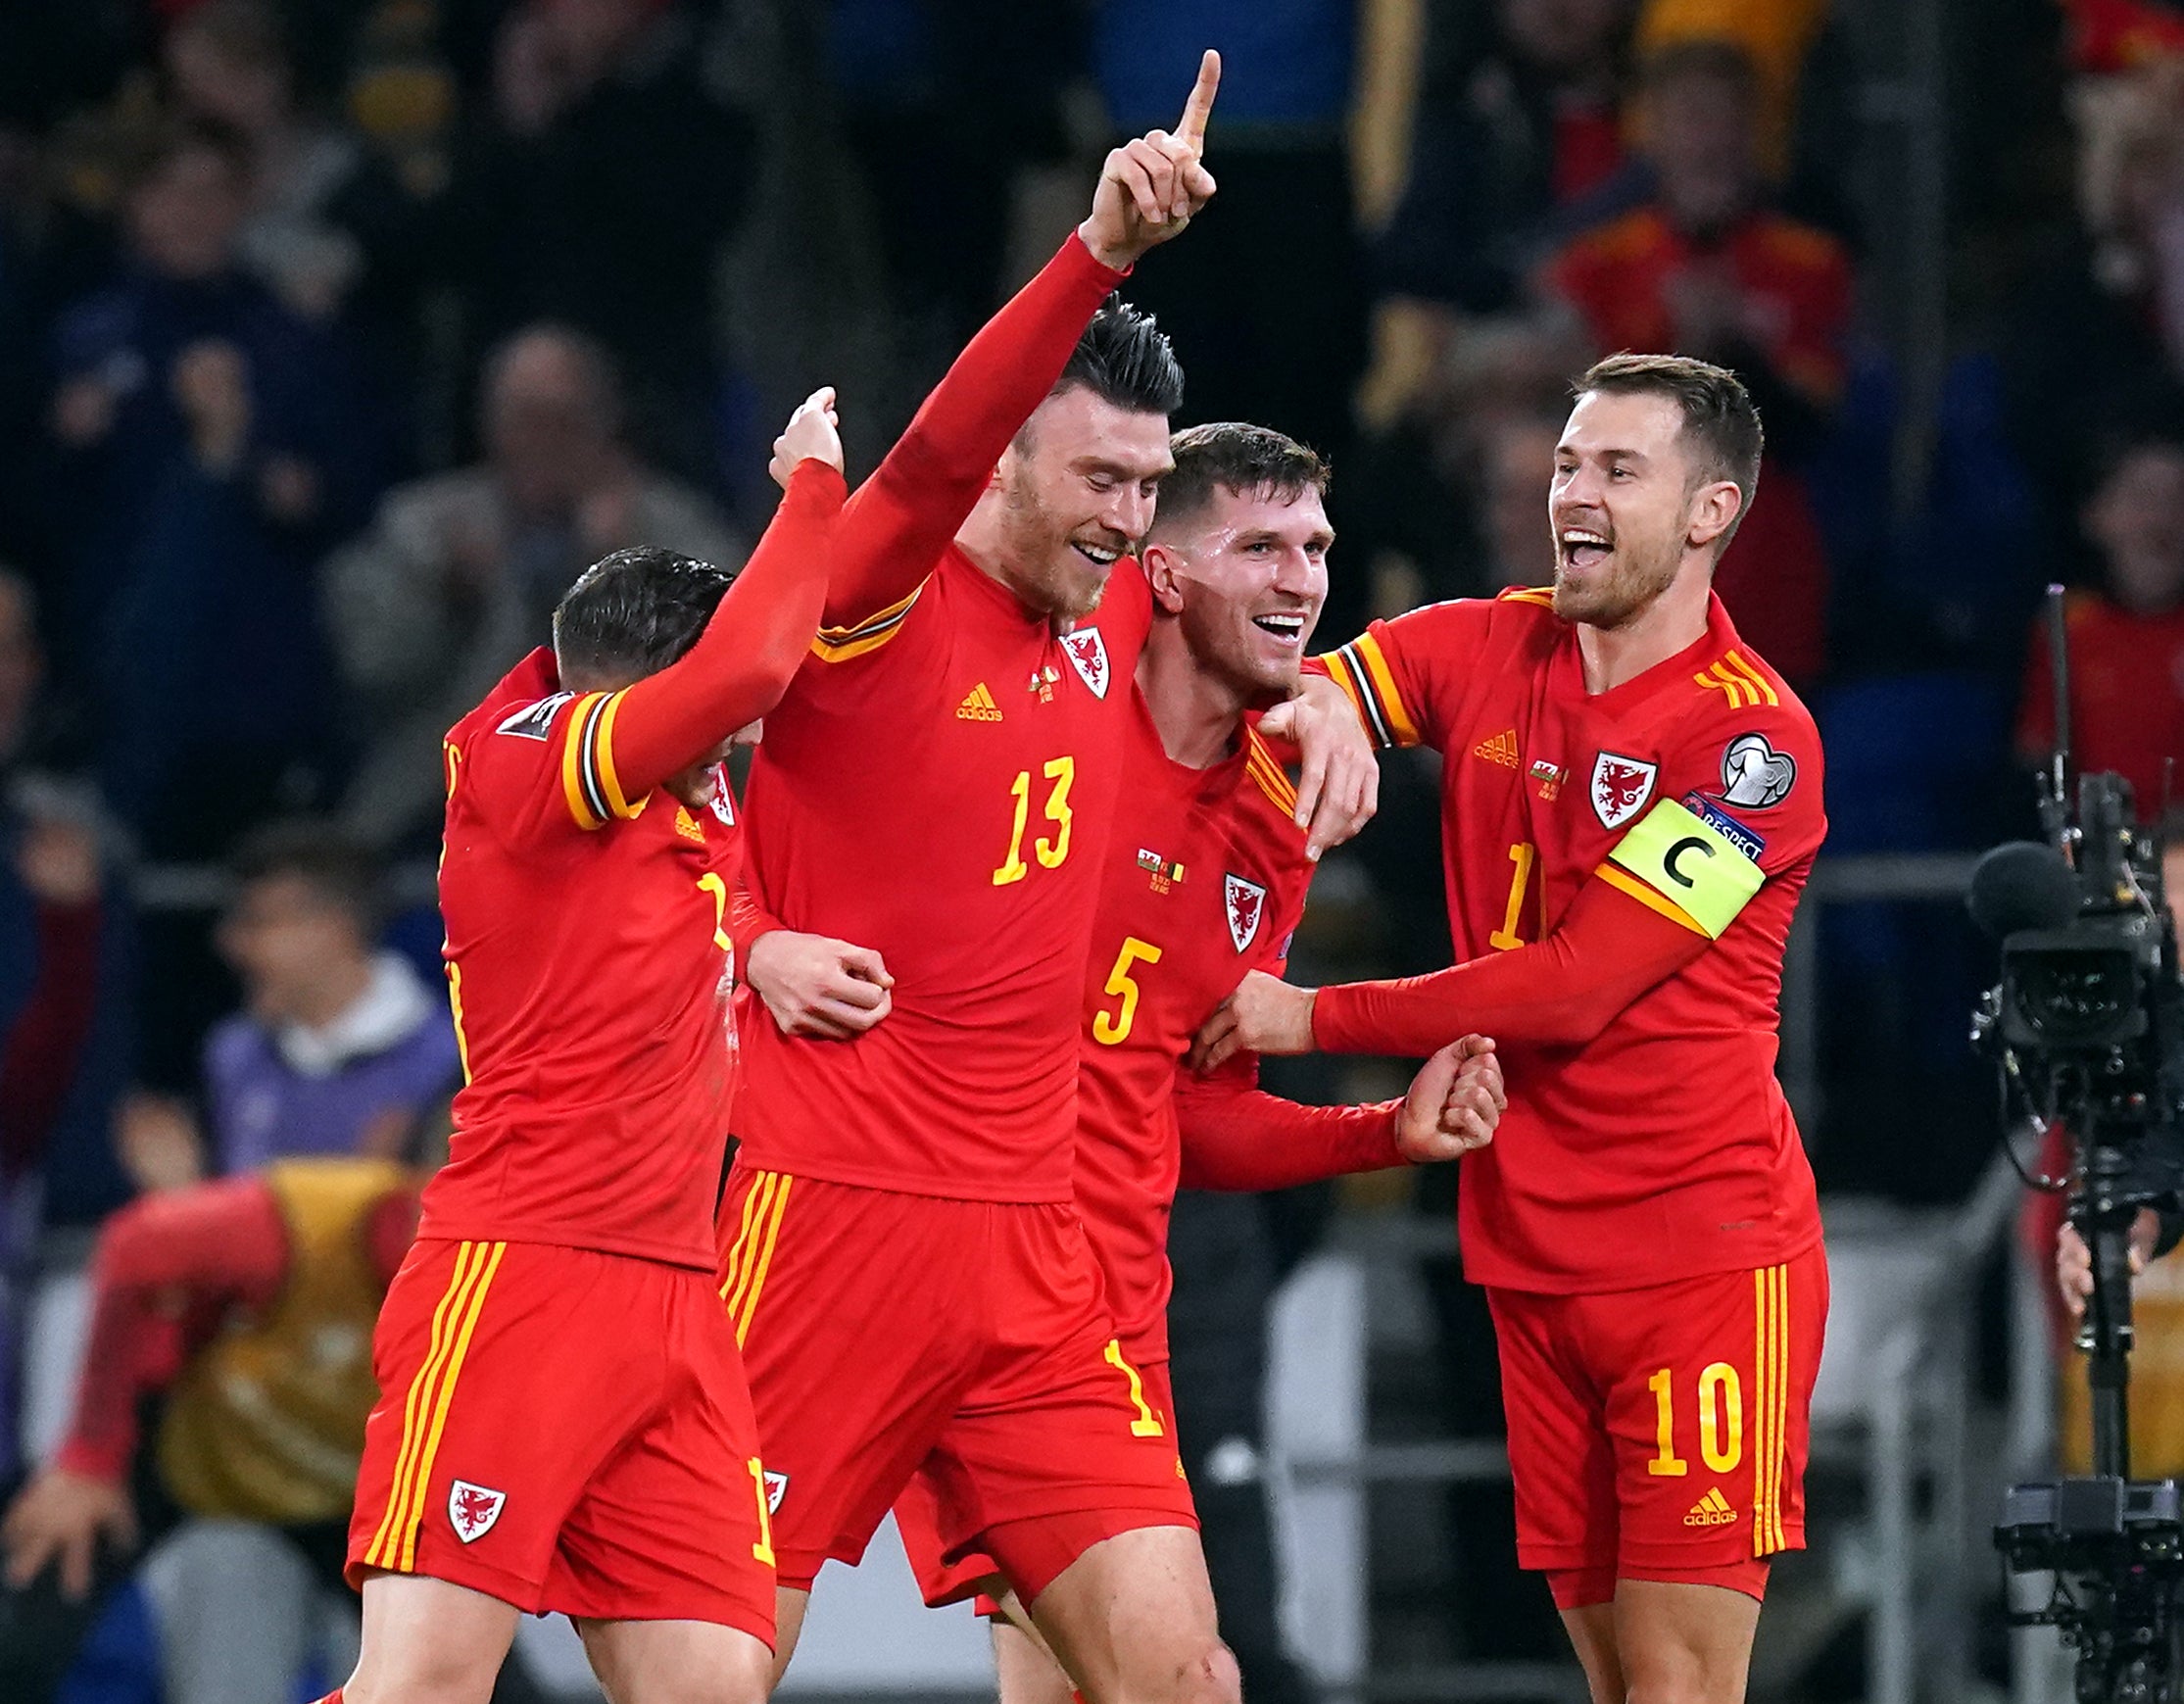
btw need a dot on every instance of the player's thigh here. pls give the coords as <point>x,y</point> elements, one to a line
<point>790,1604</point>
<point>1026,1669</point>
<point>1680,1642</point>
<point>1592,1635</point>
<point>677,1661</point>
<point>1132,1619</point>
<point>855,1311</point>
<point>427,1641</point>
<point>1560,1455</point>
<point>1064,1440</point>
<point>1708,1387</point>
<point>676,1527</point>
<point>507,1375</point>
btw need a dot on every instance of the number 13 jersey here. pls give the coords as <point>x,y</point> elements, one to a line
<point>938,785</point>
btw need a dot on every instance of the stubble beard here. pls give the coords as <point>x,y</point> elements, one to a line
<point>1044,569</point>
<point>1637,576</point>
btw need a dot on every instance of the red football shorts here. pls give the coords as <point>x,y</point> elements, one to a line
<point>886,1333</point>
<point>1662,1434</point>
<point>565,1431</point>
<point>942,1579</point>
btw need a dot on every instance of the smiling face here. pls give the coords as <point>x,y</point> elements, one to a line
<point>1077,491</point>
<point>1628,506</point>
<point>1247,578</point>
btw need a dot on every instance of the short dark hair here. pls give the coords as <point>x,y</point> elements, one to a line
<point>1244,460</point>
<point>1718,418</point>
<point>633,612</point>
<point>334,865</point>
<point>1124,357</point>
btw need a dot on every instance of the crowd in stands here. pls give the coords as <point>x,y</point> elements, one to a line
<point>336,336</point>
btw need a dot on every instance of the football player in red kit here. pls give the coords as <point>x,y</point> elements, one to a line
<point>908,1280</point>
<point>1631,803</point>
<point>563,1423</point>
<point>1205,876</point>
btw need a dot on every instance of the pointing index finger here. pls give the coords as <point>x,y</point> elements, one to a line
<point>1191,131</point>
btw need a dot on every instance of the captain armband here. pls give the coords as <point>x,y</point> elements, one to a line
<point>1682,866</point>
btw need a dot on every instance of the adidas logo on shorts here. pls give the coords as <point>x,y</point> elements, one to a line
<point>1710,1510</point>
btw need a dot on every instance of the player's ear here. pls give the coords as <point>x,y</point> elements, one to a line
<point>1163,570</point>
<point>1714,511</point>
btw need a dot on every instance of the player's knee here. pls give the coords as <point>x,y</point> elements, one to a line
<point>1212,1677</point>
<point>1672,1674</point>
<point>422,1680</point>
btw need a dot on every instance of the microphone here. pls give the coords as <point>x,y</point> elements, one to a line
<point>2021,885</point>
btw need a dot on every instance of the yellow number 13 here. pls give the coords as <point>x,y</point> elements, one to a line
<point>1050,849</point>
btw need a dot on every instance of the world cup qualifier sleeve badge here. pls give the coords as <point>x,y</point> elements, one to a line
<point>1620,786</point>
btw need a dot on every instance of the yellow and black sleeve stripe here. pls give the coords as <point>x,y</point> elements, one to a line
<point>424,1410</point>
<point>1360,668</point>
<point>1772,1379</point>
<point>1273,780</point>
<point>587,779</point>
<point>841,643</point>
<point>752,1253</point>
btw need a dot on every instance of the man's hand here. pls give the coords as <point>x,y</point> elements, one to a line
<point>61,1515</point>
<point>1151,188</point>
<point>1338,778</point>
<point>818,988</point>
<point>158,1143</point>
<point>2073,1260</point>
<point>211,385</point>
<point>1265,1015</point>
<point>1454,1103</point>
<point>813,434</point>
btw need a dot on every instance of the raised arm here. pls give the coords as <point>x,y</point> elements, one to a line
<point>901,518</point>
<point>758,637</point>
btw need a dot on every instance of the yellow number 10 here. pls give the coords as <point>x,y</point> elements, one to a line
<point>1721,1411</point>
<point>1049,849</point>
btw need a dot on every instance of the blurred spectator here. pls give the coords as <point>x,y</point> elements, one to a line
<point>1267,301</point>
<point>2126,633</point>
<point>64,970</point>
<point>1706,269</point>
<point>206,445</point>
<point>1517,459</point>
<point>961,92</point>
<point>460,575</point>
<point>601,196</point>
<point>1777,36</point>
<point>1507,131</point>
<point>244,1309</point>
<point>2108,36</point>
<point>338,1047</point>
<point>327,222</point>
<point>2098,337</point>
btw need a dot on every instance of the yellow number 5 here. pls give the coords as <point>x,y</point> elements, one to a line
<point>1112,1031</point>
<point>1049,849</point>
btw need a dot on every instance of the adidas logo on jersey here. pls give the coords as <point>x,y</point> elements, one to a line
<point>1710,1510</point>
<point>1501,749</point>
<point>978,705</point>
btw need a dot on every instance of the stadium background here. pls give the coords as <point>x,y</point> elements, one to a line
<point>336,334</point>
